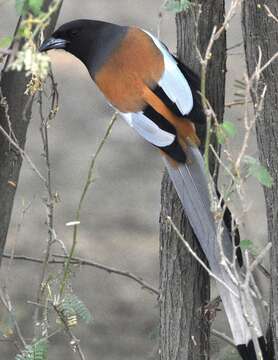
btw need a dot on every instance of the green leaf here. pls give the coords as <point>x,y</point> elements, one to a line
<point>35,6</point>
<point>20,6</point>
<point>229,128</point>
<point>72,308</point>
<point>258,171</point>
<point>249,245</point>
<point>24,32</point>
<point>36,351</point>
<point>5,42</point>
<point>220,134</point>
<point>177,5</point>
<point>225,131</point>
<point>246,244</point>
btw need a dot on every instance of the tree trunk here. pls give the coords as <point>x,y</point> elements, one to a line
<point>184,333</point>
<point>13,85</point>
<point>259,30</point>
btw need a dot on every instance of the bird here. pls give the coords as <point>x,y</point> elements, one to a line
<point>159,97</point>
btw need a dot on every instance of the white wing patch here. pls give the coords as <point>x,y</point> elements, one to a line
<point>173,81</point>
<point>148,129</point>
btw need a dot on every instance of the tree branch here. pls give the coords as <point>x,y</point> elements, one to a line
<point>86,262</point>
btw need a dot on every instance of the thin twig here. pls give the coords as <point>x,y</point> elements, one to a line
<point>267,64</point>
<point>235,46</point>
<point>221,162</point>
<point>74,342</point>
<point>89,181</point>
<point>223,337</point>
<point>113,270</point>
<point>260,257</point>
<point>23,154</point>
<point>270,13</point>
<point>4,298</point>
<point>261,268</point>
<point>86,262</point>
<point>8,277</point>
<point>236,103</point>
<point>197,257</point>
<point>49,202</point>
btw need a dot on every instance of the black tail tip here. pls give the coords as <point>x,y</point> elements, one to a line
<point>247,352</point>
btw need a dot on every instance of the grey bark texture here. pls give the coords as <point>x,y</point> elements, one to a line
<point>13,85</point>
<point>259,30</point>
<point>185,288</point>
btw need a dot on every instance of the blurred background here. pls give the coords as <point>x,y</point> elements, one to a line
<point>119,225</point>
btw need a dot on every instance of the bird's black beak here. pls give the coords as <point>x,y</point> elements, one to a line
<point>53,43</point>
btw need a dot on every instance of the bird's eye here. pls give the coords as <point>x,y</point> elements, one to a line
<point>73,32</point>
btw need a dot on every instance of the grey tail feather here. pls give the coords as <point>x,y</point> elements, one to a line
<point>191,184</point>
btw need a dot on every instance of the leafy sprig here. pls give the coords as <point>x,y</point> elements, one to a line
<point>36,351</point>
<point>25,6</point>
<point>177,5</point>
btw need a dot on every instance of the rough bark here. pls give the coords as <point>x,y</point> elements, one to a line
<point>184,333</point>
<point>259,30</point>
<point>13,85</point>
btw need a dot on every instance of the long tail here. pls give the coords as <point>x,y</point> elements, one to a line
<point>190,182</point>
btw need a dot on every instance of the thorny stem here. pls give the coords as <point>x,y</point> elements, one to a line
<point>50,198</point>
<point>88,182</point>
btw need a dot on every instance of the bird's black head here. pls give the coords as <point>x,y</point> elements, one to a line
<point>89,40</point>
<point>73,37</point>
